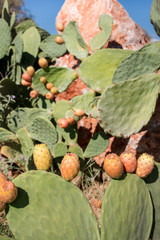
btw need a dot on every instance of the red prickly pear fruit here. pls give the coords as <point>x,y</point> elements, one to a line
<point>43,63</point>
<point>31,70</point>
<point>70,166</point>
<point>43,79</point>
<point>25,83</point>
<point>42,157</point>
<point>145,165</point>
<point>59,40</point>
<point>26,77</point>
<point>70,120</point>
<point>8,192</point>
<point>54,90</point>
<point>113,166</point>
<point>49,85</point>
<point>78,112</point>
<point>50,96</point>
<point>129,161</point>
<point>33,94</point>
<point>59,26</point>
<point>63,123</point>
<point>2,206</point>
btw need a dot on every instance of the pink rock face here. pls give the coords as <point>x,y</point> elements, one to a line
<point>86,13</point>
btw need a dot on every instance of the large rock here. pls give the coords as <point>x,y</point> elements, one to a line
<point>126,33</point>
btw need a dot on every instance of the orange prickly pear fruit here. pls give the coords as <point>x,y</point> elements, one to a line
<point>70,120</point>
<point>145,165</point>
<point>113,166</point>
<point>50,96</point>
<point>63,123</point>
<point>33,94</point>
<point>43,79</point>
<point>59,26</point>
<point>78,112</point>
<point>43,63</point>
<point>31,70</point>
<point>54,90</point>
<point>26,77</point>
<point>42,157</point>
<point>2,206</point>
<point>129,161</point>
<point>25,83</point>
<point>70,166</point>
<point>59,40</point>
<point>8,192</point>
<point>49,85</point>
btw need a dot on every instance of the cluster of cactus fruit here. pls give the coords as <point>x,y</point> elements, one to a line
<point>119,83</point>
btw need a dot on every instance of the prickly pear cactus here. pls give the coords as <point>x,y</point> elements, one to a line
<point>127,211</point>
<point>155,15</point>
<point>6,135</point>
<point>128,106</point>
<point>5,37</point>
<point>54,209</point>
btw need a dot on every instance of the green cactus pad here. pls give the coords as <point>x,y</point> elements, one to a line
<point>61,78</point>
<point>60,109</point>
<point>128,106</point>
<point>97,70</point>
<point>69,134</point>
<point>60,149</point>
<point>5,37</point>
<point>5,12</point>
<point>5,238</point>
<point>101,38</point>
<point>77,150</point>
<point>43,33</point>
<point>6,135</point>
<point>143,61</point>
<point>51,208</point>
<point>74,41</point>
<point>18,43</point>
<point>155,15</point>
<point>31,41</point>
<point>53,49</point>
<point>12,20</point>
<point>127,211</point>
<point>25,25</point>
<point>97,145</point>
<point>41,129</point>
<point>153,183</point>
<point>24,116</point>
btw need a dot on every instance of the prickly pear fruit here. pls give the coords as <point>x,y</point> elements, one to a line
<point>70,120</point>
<point>113,166</point>
<point>70,166</point>
<point>63,123</point>
<point>43,63</point>
<point>26,77</point>
<point>59,26</point>
<point>25,83</point>
<point>78,112</point>
<point>49,85</point>
<point>54,90</point>
<point>59,40</point>
<point>8,192</point>
<point>43,79</point>
<point>42,157</point>
<point>129,161</point>
<point>33,94</point>
<point>31,70</point>
<point>145,165</point>
<point>2,206</point>
<point>50,96</point>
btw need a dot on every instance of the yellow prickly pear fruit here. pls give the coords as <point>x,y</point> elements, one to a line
<point>69,166</point>
<point>113,166</point>
<point>145,165</point>
<point>42,157</point>
<point>8,192</point>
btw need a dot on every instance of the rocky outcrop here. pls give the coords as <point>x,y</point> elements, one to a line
<point>126,33</point>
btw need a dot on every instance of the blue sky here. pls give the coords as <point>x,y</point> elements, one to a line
<point>45,13</point>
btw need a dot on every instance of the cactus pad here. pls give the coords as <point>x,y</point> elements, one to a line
<point>5,37</point>
<point>6,135</point>
<point>143,61</point>
<point>153,183</point>
<point>128,106</point>
<point>51,208</point>
<point>97,70</point>
<point>127,211</point>
<point>74,41</point>
<point>155,15</point>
